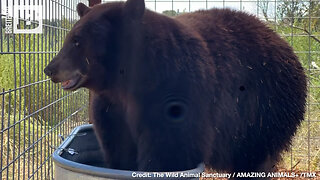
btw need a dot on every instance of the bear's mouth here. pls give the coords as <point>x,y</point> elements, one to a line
<point>71,83</point>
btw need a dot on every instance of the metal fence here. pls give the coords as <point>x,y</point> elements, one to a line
<point>34,112</point>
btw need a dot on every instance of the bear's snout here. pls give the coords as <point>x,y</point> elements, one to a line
<point>52,67</point>
<point>48,71</point>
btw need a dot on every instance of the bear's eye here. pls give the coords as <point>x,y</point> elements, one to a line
<point>76,43</point>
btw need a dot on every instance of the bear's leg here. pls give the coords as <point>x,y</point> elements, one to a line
<point>175,143</point>
<point>161,150</point>
<point>113,134</point>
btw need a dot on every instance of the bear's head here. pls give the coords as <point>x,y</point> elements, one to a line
<point>93,49</point>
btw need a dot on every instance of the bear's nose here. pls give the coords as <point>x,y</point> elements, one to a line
<point>47,71</point>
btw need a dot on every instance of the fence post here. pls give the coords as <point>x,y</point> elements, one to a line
<point>91,3</point>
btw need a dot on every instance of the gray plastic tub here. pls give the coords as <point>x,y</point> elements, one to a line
<point>79,157</point>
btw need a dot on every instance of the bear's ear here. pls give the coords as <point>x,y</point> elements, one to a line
<point>134,9</point>
<point>82,9</point>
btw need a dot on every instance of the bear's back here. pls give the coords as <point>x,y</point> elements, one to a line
<point>262,73</point>
<point>234,35</point>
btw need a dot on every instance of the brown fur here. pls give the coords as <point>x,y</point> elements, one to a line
<point>213,86</point>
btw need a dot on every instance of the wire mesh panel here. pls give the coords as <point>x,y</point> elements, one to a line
<point>34,113</point>
<point>298,22</point>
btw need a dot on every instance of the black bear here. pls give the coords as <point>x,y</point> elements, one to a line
<point>214,86</point>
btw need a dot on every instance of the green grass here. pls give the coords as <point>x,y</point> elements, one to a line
<point>37,137</point>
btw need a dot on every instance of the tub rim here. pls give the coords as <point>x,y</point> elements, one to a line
<point>104,172</point>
